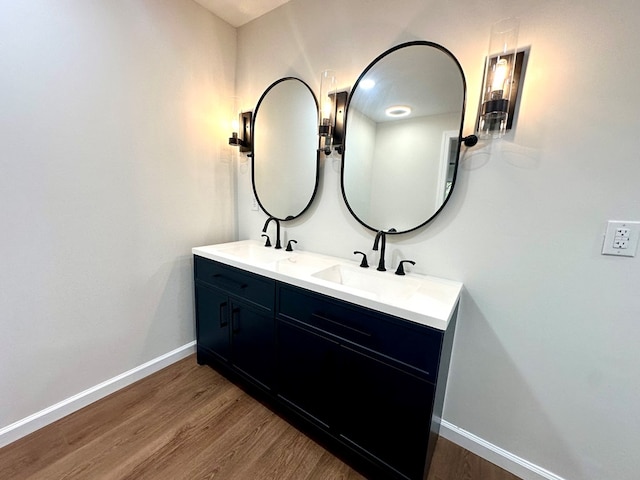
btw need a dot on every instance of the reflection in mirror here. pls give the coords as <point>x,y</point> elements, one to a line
<point>285,149</point>
<point>403,127</point>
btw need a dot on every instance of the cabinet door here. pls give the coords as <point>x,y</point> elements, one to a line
<point>385,411</point>
<point>212,321</point>
<point>253,342</point>
<point>307,372</point>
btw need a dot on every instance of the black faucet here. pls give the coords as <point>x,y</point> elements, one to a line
<point>380,235</point>
<point>363,263</point>
<point>264,229</point>
<point>400,269</point>
<point>289,246</point>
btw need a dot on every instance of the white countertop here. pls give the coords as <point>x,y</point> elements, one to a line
<point>422,299</point>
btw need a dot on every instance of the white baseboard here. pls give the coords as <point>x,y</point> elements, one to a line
<point>494,454</point>
<point>30,424</point>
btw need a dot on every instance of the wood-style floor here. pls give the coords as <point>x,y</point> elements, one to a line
<point>189,422</point>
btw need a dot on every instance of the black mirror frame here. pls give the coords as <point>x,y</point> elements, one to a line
<point>253,158</point>
<point>460,138</point>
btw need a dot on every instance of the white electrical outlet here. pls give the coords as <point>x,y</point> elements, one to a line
<point>621,238</point>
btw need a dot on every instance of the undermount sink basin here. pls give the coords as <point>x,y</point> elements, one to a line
<point>302,264</point>
<point>382,285</point>
<point>255,253</point>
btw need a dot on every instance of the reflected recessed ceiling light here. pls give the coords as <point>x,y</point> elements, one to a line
<point>367,84</point>
<point>398,111</point>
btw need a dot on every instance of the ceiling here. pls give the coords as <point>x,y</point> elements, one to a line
<point>239,12</point>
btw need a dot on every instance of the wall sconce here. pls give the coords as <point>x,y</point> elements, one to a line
<point>500,85</point>
<point>241,128</point>
<point>331,113</point>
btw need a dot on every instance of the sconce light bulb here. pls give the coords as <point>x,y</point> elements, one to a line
<point>327,106</point>
<point>500,74</point>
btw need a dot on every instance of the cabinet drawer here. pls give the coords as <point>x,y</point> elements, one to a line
<point>252,288</point>
<point>407,342</point>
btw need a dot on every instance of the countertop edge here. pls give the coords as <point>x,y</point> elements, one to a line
<point>214,252</point>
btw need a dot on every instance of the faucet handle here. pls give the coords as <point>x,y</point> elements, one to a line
<point>400,269</point>
<point>268,242</point>
<point>289,247</point>
<point>364,263</point>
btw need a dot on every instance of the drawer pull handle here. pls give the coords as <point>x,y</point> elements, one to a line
<point>326,319</point>
<point>223,308</point>
<point>230,282</point>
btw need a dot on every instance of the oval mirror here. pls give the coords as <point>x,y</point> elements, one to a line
<point>403,128</point>
<point>285,149</point>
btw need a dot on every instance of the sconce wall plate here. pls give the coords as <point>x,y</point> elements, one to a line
<point>340,103</point>
<point>245,126</point>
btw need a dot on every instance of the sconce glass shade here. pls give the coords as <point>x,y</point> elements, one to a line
<point>326,114</point>
<point>498,79</point>
<point>234,123</point>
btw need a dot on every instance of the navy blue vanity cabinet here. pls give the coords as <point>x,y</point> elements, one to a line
<point>252,342</point>
<point>307,362</point>
<point>367,378</point>
<point>235,320</point>
<point>368,385</point>
<point>385,411</point>
<point>212,323</point>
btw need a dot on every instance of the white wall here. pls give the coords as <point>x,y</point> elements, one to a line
<point>546,363</point>
<point>110,171</point>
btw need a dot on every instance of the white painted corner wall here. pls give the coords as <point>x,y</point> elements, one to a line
<point>112,167</point>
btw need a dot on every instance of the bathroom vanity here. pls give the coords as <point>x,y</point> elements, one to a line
<point>355,357</point>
